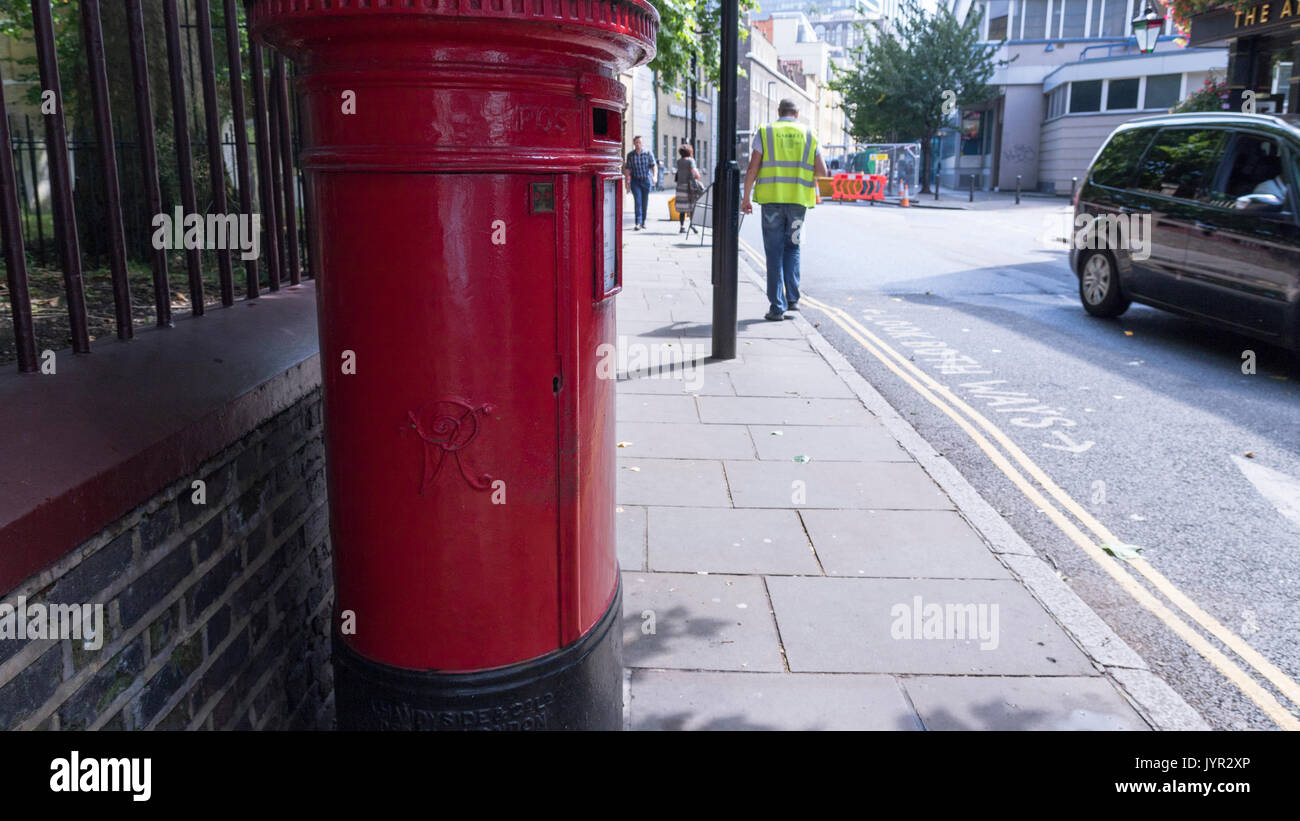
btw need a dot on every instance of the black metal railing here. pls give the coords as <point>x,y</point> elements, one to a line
<point>111,180</point>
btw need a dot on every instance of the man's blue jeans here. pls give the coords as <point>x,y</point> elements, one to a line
<point>782,232</point>
<point>640,199</point>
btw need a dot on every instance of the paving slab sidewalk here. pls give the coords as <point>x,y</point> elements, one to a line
<point>794,558</point>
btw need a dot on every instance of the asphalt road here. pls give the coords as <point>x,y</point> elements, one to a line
<point>1148,422</point>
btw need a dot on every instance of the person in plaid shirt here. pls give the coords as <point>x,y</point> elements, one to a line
<point>640,172</point>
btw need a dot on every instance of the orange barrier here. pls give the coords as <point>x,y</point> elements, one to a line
<point>852,187</point>
<point>845,187</point>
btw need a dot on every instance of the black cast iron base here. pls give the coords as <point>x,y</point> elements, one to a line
<point>579,687</point>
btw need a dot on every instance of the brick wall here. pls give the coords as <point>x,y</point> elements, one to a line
<point>216,615</point>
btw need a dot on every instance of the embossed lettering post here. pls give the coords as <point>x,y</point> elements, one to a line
<point>463,173</point>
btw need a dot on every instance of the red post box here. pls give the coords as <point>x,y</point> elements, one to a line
<point>463,176</point>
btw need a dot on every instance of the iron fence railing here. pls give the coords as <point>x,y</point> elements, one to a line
<point>110,189</point>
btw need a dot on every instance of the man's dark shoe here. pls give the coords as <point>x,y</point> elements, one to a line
<point>636,228</point>
<point>793,306</point>
<point>774,316</point>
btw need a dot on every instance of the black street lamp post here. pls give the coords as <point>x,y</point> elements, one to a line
<point>726,179</point>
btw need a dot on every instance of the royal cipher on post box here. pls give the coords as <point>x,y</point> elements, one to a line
<point>464,187</point>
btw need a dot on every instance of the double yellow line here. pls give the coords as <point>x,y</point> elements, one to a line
<point>972,421</point>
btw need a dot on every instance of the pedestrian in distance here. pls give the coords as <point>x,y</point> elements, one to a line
<point>639,169</point>
<point>688,186</point>
<point>907,169</point>
<point>784,163</point>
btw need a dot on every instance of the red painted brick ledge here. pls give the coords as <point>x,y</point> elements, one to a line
<point>84,446</point>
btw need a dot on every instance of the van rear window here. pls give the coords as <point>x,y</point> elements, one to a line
<point>1114,166</point>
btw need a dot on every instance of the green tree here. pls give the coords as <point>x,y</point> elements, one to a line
<point>690,28</point>
<point>16,23</point>
<point>906,81</point>
<point>1211,96</point>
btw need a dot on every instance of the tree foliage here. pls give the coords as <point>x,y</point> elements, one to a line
<point>1182,10</point>
<point>1211,96</point>
<point>16,23</point>
<point>896,89</point>
<point>691,28</point>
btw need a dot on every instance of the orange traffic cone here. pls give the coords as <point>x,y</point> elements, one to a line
<point>905,202</point>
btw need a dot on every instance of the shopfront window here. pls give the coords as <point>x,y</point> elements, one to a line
<point>1056,101</point>
<point>1280,75</point>
<point>1110,18</point>
<point>1085,96</point>
<point>1122,94</point>
<point>1074,18</point>
<point>972,133</point>
<point>1031,19</point>
<point>997,11</point>
<point>1162,90</point>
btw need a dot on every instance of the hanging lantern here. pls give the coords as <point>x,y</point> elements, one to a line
<point>1147,27</point>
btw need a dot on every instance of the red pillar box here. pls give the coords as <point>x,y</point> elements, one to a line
<point>463,174</point>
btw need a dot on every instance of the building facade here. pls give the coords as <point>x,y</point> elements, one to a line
<point>1075,73</point>
<point>787,60</point>
<point>843,29</point>
<point>673,126</point>
<point>1264,47</point>
<point>660,115</point>
<point>870,9</point>
<point>641,113</point>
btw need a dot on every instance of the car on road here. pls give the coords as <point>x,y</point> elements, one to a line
<point>1198,214</point>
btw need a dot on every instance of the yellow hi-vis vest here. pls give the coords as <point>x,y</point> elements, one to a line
<point>786,175</point>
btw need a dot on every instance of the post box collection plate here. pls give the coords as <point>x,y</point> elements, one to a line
<point>543,198</point>
<point>467,207</point>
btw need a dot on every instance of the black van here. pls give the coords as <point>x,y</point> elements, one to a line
<point>1222,239</point>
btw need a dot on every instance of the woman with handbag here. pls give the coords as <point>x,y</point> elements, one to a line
<point>689,187</point>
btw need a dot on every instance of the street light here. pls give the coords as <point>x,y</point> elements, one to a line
<point>1147,27</point>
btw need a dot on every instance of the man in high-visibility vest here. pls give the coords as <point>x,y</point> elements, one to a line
<point>784,163</point>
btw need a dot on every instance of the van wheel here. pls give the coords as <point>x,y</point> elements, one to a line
<point>1099,285</point>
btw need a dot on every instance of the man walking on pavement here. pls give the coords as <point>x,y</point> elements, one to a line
<point>784,163</point>
<point>639,170</point>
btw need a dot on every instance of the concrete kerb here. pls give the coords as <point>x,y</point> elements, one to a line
<point>1158,703</point>
<point>954,200</point>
